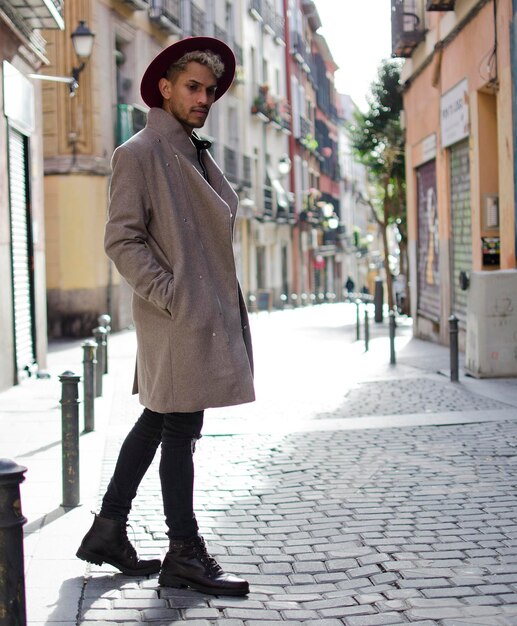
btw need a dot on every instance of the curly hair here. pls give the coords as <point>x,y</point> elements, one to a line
<point>207,58</point>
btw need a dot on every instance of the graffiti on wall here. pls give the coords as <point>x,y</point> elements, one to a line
<point>428,243</point>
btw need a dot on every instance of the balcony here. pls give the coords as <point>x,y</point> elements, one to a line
<point>231,165</point>
<point>278,27</point>
<point>28,15</point>
<point>301,52</point>
<point>407,27</point>
<point>166,14</point>
<point>268,203</point>
<point>271,109</point>
<point>256,10</point>
<point>237,167</point>
<point>130,119</point>
<point>305,127</point>
<point>246,171</point>
<point>440,5</point>
<point>138,5</point>
<point>198,21</point>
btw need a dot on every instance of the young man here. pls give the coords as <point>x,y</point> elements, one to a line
<point>169,233</point>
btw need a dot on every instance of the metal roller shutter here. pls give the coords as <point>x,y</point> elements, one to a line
<point>21,251</point>
<point>461,225</point>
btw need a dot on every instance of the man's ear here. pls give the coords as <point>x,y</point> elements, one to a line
<point>164,85</point>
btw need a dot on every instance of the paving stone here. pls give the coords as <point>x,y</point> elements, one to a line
<point>309,567</point>
<point>451,592</point>
<point>140,603</point>
<point>118,615</point>
<point>249,614</point>
<point>367,570</point>
<point>209,614</point>
<point>373,620</point>
<point>149,615</point>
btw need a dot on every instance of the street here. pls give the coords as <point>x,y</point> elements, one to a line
<point>350,493</point>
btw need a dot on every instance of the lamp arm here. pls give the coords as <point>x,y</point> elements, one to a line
<point>72,81</point>
<point>57,79</point>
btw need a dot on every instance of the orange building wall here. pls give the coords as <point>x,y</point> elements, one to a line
<point>491,148</point>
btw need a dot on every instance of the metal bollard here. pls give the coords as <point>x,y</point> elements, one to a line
<point>89,362</point>
<point>105,322</point>
<point>453,344</point>
<point>12,577</point>
<point>357,320</point>
<point>366,330</point>
<point>70,437</point>
<point>99,334</point>
<point>393,325</point>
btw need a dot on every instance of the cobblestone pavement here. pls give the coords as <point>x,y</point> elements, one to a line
<point>416,395</point>
<point>393,526</point>
<point>340,526</point>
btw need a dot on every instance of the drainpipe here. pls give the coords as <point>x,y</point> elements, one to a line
<point>513,53</point>
<point>295,232</point>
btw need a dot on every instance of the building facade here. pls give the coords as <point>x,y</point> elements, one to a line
<point>23,341</point>
<point>458,87</point>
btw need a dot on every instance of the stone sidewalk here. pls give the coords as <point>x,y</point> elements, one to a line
<point>351,493</point>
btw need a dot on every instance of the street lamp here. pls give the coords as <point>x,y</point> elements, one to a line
<point>284,165</point>
<point>82,40</point>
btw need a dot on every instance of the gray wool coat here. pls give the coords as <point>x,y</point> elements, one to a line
<point>169,233</point>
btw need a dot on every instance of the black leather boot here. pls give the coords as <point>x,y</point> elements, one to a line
<point>107,542</point>
<point>188,564</point>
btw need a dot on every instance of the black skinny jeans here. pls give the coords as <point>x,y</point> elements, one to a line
<point>178,433</point>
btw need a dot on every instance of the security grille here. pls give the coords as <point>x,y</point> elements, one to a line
<point>22,255</point>
<point>461,225</point>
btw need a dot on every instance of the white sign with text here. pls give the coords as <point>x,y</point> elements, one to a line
<point>454,114</point>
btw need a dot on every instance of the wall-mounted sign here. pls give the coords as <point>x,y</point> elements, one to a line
<point>454,114</point>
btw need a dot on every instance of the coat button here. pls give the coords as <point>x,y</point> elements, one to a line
<point>201,276</point>
<point>168,164</point>
<point>213,334</point>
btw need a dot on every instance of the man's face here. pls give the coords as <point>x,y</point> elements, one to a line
<point>190,95</point>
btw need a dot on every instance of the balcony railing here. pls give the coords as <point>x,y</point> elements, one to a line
<point>278,26</point>
<point>271,109</point>
<point>305,127</point>
<point>268,202</point>
<point>407,26</point>
<point>256,9</point>
<point>138,5</point>
<point>198,22</point>
<point>231,165</point>
<point>220,33</point>
<point>237,167</point>
<point>166,14</point>
<point>246,171</point>
<point>130,119</point>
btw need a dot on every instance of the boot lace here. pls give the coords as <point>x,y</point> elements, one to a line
<point>125,544</point>
<point>201,552</point>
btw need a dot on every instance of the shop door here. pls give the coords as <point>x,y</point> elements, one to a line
<point>461,218</point>
<point>21,254</point>
<point>428,244</point>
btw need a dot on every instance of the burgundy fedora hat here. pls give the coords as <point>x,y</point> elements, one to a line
<point>160,64</point>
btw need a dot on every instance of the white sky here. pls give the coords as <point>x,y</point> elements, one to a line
<point>358,33</point>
